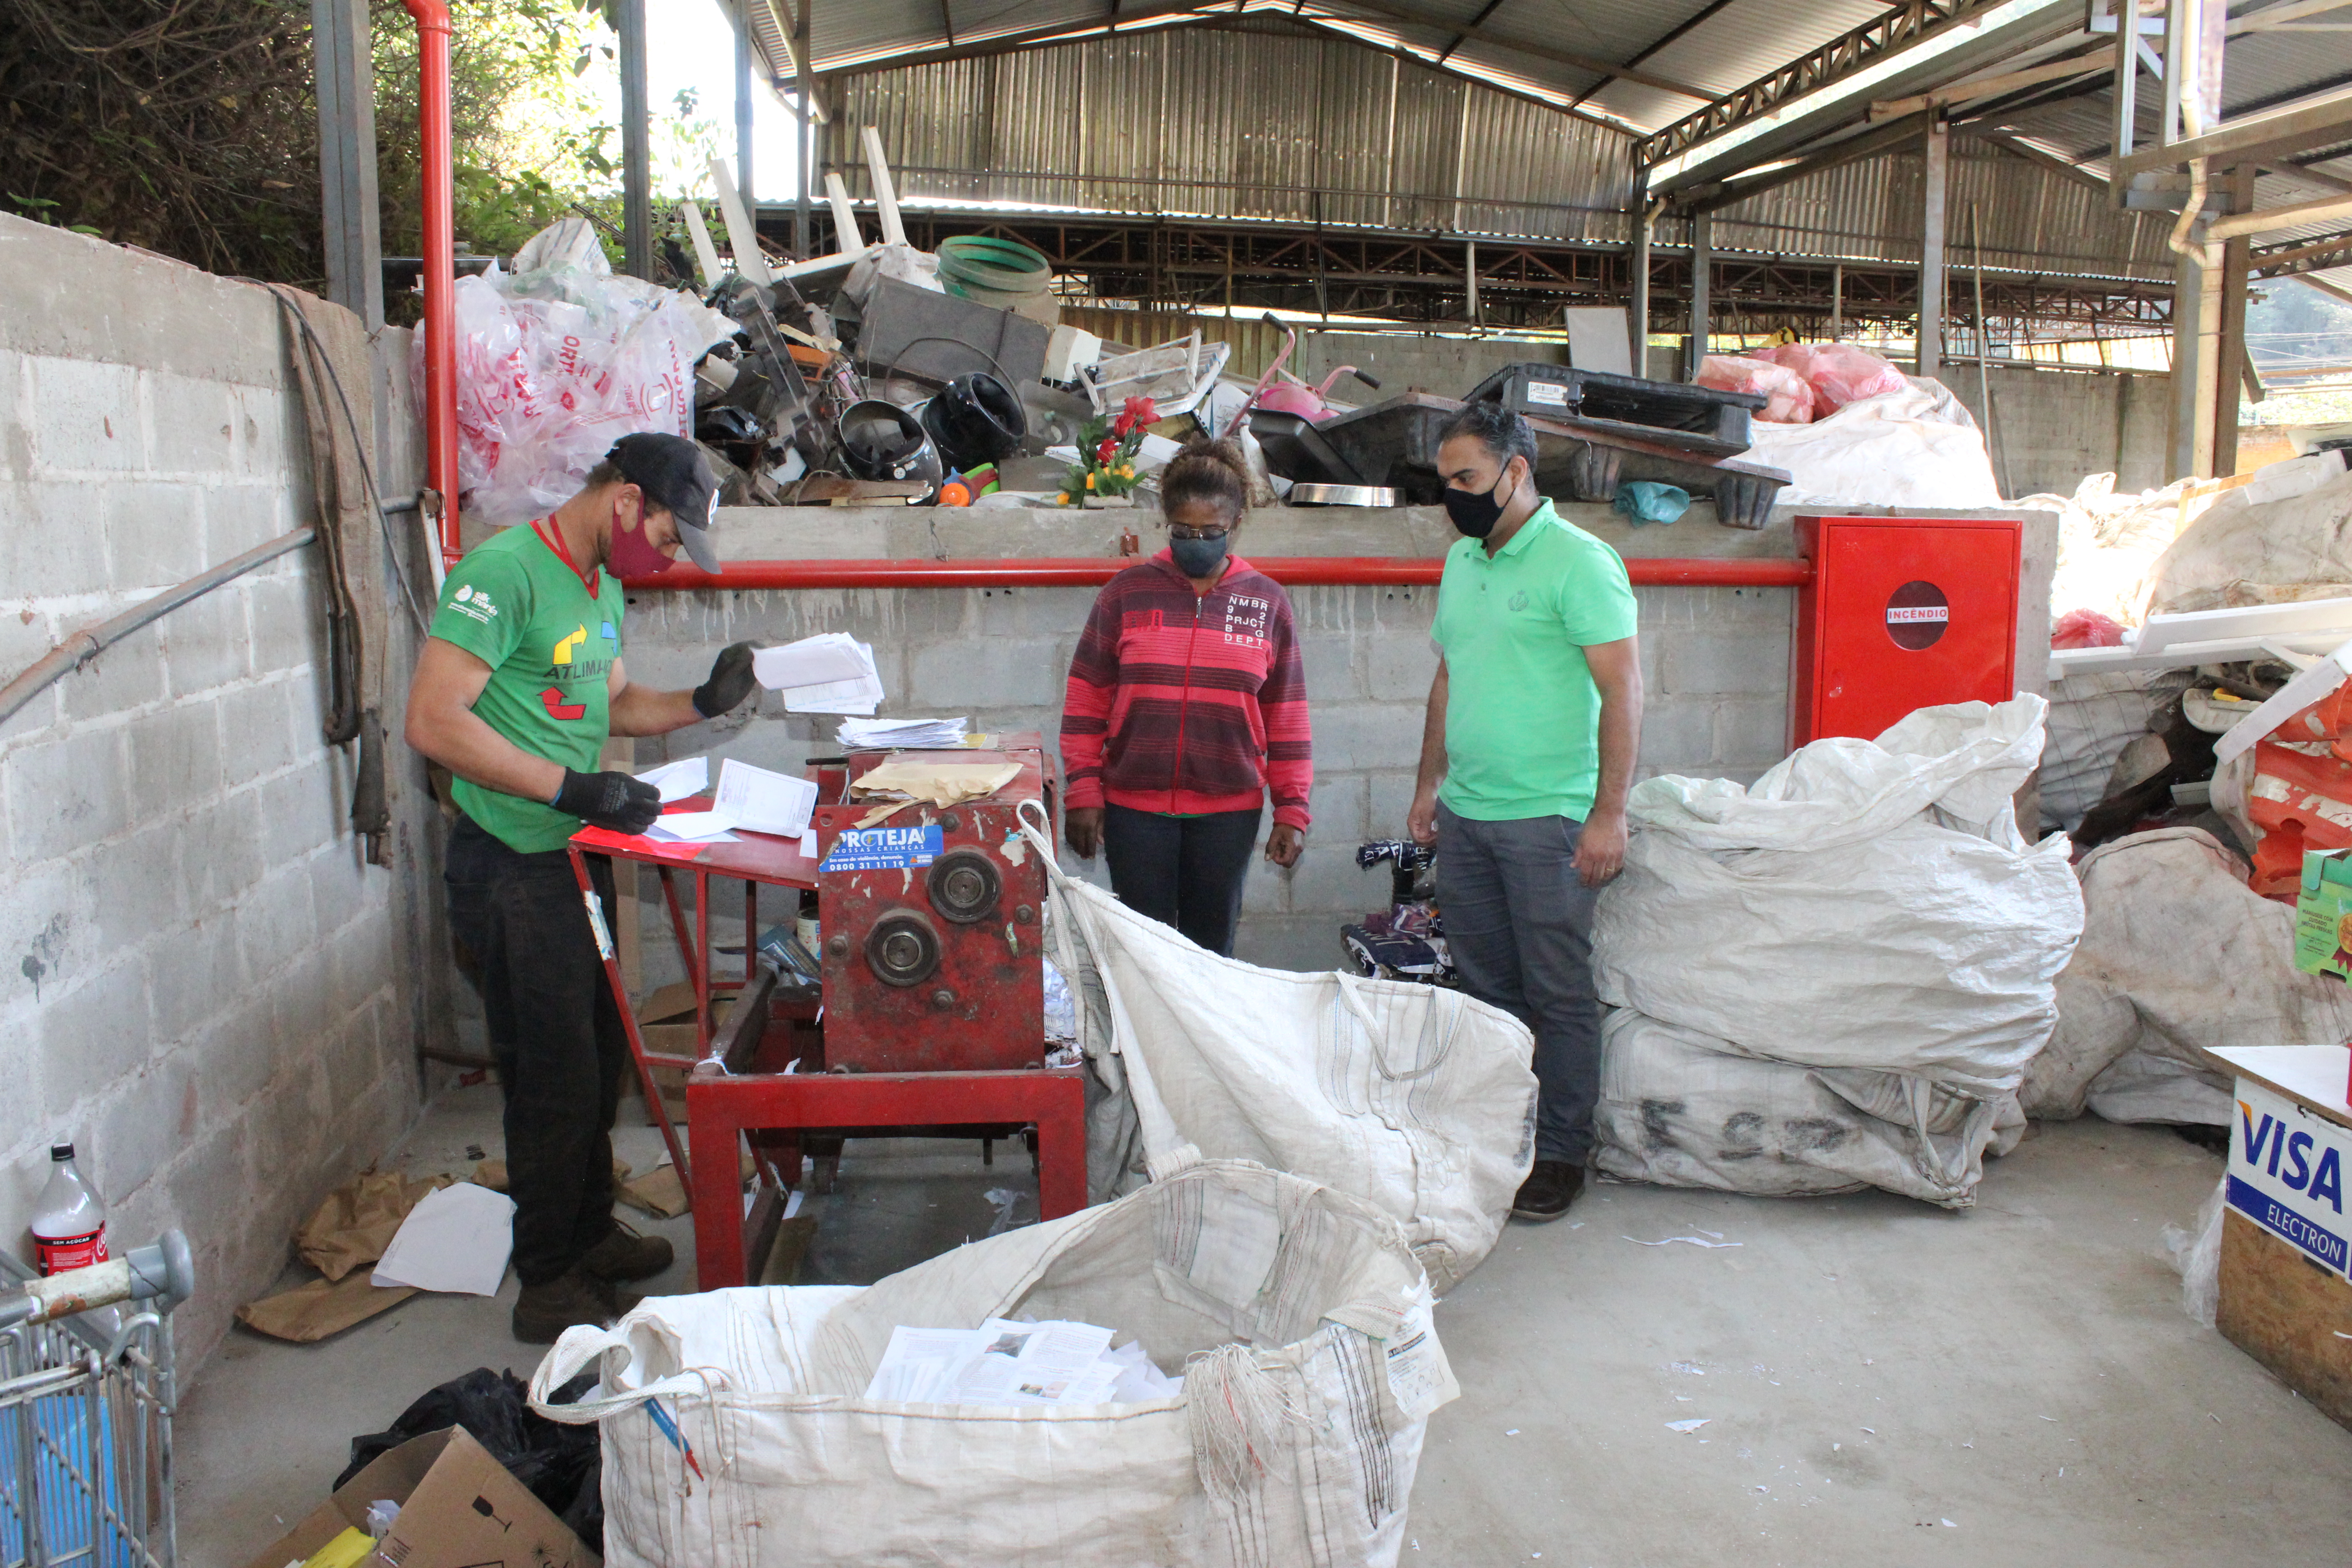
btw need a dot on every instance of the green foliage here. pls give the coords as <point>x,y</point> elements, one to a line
<point>189,127</point>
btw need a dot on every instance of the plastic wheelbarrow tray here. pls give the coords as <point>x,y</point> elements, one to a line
<point>1395,444</point>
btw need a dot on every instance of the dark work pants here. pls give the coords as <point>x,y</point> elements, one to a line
<point>1519,925</point>
<point>555,1034</point>
<point>1183,871</point>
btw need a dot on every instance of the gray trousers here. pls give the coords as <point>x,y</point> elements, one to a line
<point>1520,928</point>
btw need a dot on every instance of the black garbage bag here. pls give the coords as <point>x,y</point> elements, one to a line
<point>560,1464</point>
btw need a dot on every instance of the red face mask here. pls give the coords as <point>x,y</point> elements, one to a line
<point>632,555</point>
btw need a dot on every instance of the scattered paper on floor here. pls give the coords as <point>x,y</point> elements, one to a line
<point>457,1240</point>
<point>321,1308</point>
<point>359,1219</point>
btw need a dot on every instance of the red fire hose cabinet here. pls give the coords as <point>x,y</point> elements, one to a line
<point>1900,613</point>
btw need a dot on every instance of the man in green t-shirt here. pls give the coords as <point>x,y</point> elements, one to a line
<point>1526,756</point>
<point>516,692</point>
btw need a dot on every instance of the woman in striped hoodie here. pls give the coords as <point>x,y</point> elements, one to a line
<point>1186,707</point>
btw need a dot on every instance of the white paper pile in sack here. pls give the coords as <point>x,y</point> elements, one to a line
<point>1417,1100</point>
<point>2178,957</point>
<point>1297,1315</point>
<point>1865,909</point>
<point>1005,1363</point>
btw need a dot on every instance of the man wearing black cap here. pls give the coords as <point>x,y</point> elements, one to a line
<point>516,691</point>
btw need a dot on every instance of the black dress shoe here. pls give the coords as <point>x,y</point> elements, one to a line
<point>1550,1188</point>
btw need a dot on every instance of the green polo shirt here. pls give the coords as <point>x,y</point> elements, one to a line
<point>1522,714</point>
<point>550,642</point>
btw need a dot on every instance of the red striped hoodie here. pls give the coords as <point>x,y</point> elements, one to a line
<point>1188,704</point>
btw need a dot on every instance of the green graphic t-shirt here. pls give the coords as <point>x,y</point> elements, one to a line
<point>516,606</point>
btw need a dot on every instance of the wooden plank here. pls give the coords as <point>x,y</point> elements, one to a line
<point>2288,1313</point>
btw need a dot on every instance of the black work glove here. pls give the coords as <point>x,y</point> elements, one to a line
<point>613,801</point>
<point>731,681</point>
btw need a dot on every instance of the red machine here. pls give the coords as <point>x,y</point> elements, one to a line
<point>933,1014</point>
<point>1901,614</point>
<point>931,926</point>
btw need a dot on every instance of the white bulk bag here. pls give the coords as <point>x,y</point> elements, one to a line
<point>1679,1108</point>
<point>1865,904</point>
<point>1417,1100</point>
<point>1297,1315</point>
<point>2178,957</point>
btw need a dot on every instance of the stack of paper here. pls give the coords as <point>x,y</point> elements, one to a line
<point>829,673</point>
<point>1005,1363</point>
<point>457,1240</point>
<point>678,779</point>
<point>902,734</point>
<point>753,799</point>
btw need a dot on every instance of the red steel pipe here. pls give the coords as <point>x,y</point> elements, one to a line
<point>439,250</point>
<point>1296,570</point>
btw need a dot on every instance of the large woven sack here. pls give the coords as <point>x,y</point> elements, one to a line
<point>1419,1101</point>
<point>1297,1315</point>
<point>1865,904</point>
<point>1682,1109</point>
<point>2178,957</point>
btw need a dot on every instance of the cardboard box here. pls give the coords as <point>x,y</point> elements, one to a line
<point>459,1509</point>
<point>2323,914</point>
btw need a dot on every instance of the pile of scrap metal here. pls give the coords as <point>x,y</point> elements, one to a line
<point>888,375</point>
<point>1595,432</point>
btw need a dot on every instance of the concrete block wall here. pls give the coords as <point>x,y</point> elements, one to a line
<point>2050,428</point>
<point>1715,661</point>
<point>201,983</point>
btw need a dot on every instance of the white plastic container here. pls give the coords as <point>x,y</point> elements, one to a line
<point>69,1223</point>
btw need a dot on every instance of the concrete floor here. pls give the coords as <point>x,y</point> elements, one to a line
<point>1883,1383</point>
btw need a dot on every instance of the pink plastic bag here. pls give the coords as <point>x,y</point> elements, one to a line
<point>2088,629</point>
<point>557,361</point>
<point>1792,399</point>
<point>1839,373</point>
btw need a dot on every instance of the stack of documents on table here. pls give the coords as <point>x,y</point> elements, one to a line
<point>678,779</point>
<point>1005,1363</point>
<point>902,734</point>
<point>753,799</point>
<point>830,673</point>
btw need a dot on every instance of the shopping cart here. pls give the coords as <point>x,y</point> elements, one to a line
<point>86,1399</point>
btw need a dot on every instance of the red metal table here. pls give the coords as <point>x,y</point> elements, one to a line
<point>727,1108</point>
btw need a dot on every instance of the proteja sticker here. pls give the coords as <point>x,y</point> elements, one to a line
<point>882,849</point>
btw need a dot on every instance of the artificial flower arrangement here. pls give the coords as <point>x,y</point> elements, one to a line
<point>1105,465</point>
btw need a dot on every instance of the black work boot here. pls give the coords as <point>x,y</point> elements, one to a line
<point>541,1312</point>
<point>1550,1188</point>
<point>626,1255</point>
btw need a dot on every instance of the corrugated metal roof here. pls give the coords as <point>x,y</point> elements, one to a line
<point>1292,128</point>
<point>2033,219</point>
<point>1719,53</point>
<point>1751,37</point>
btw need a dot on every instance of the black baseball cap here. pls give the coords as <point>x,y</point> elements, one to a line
<point>670,470</point>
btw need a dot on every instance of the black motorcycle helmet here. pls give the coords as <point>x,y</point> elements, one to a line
<point>975,419</point>
<point>883,441</point>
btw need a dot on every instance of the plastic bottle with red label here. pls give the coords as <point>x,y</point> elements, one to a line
<point>69,1224</point>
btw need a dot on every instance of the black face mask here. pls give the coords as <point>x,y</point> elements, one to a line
<point>1475,512</point>
<point>1197,557</point>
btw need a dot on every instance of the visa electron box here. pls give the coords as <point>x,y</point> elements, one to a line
<point>2323,914</point>
<point>2287,1171</point>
